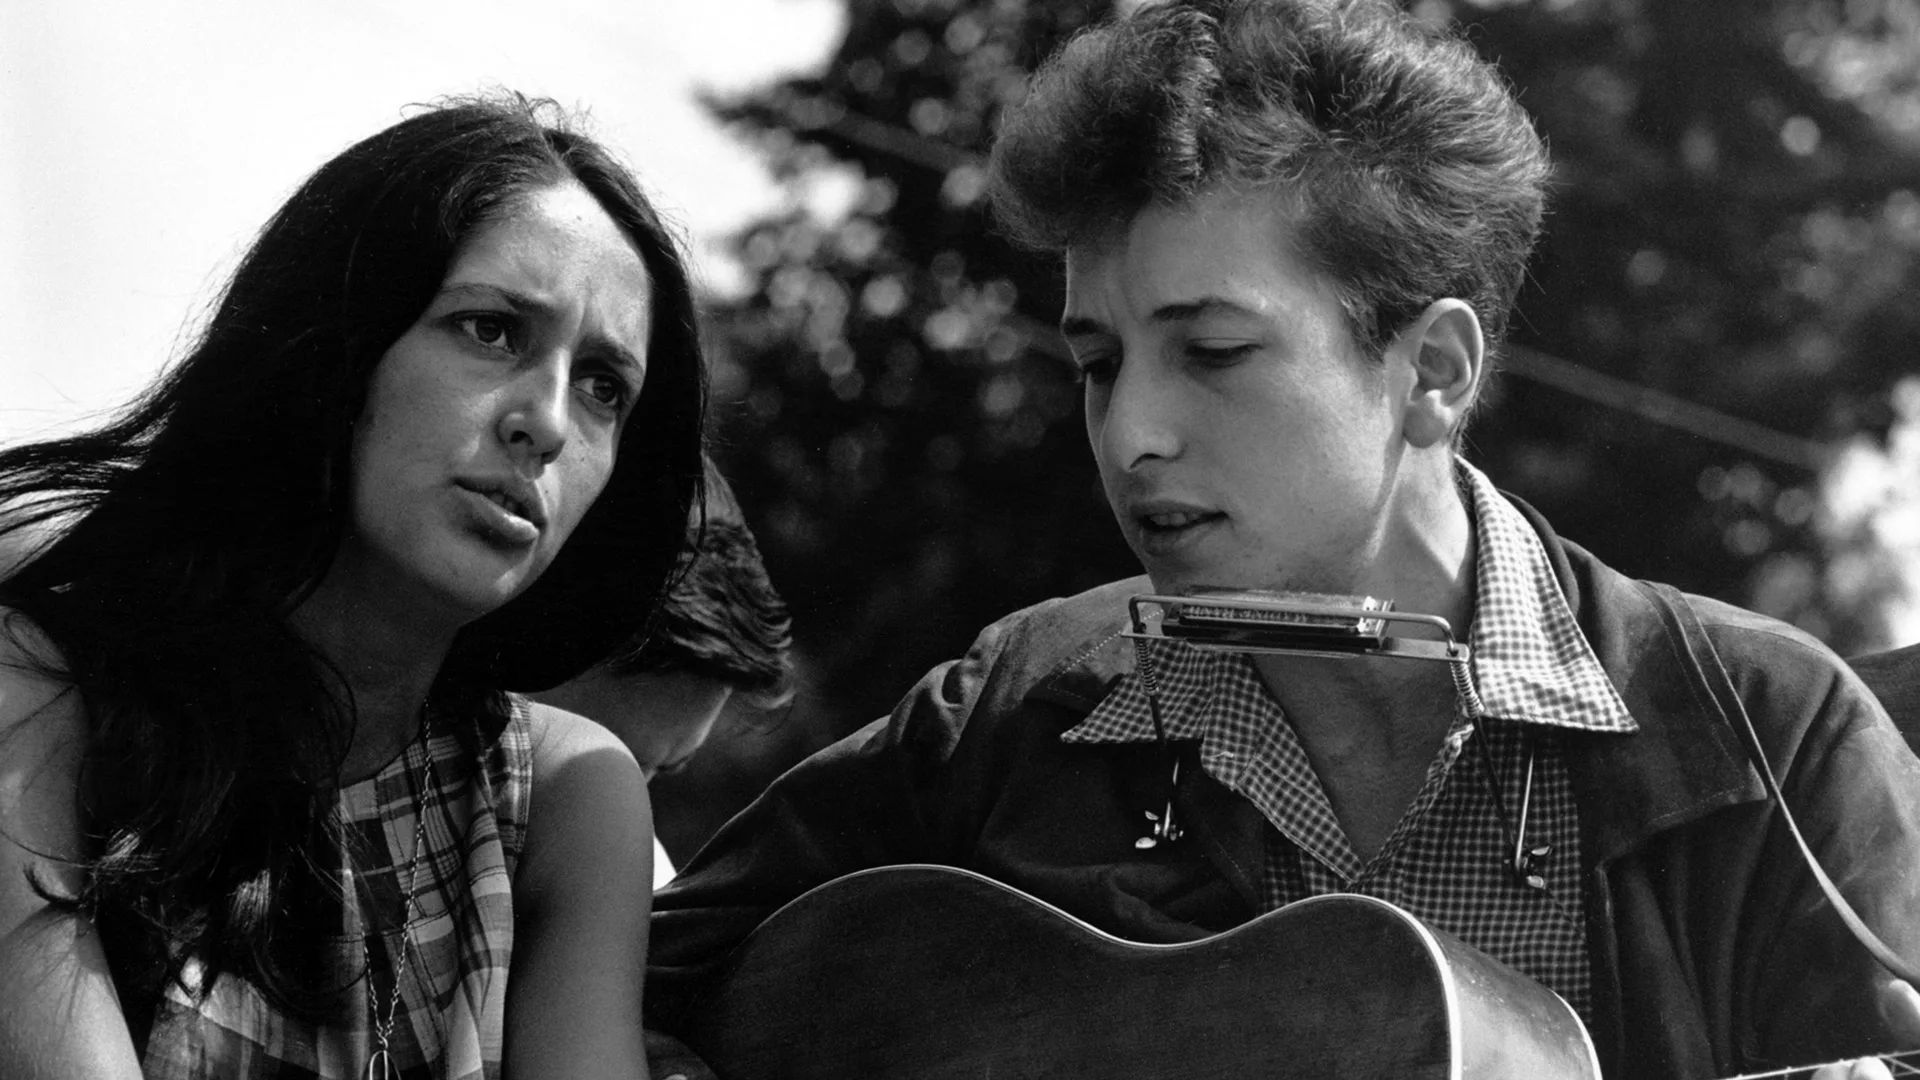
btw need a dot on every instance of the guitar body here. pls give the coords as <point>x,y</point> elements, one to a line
<point>933,972</point>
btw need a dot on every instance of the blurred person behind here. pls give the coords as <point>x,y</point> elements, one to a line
<point>722,634</point>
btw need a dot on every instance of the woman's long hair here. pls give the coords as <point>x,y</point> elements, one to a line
<point>186,531</point>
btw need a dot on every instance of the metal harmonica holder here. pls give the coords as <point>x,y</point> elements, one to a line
<point>1311,624</point>
<point>1304,624</point>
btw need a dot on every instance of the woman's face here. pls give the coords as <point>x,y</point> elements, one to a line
<point>491,424</point>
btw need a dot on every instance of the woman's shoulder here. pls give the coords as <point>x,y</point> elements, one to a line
<point>43,740</point>
<point>590,811</point>
<point>559,737</point>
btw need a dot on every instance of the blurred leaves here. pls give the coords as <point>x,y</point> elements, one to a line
<point>1735,225</point>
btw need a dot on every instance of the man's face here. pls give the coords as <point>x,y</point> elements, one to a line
<point>1243,439</point>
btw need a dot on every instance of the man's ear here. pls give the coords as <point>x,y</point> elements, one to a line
<point>1447,355</point>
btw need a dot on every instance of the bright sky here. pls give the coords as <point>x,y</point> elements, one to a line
<point>141,144</point>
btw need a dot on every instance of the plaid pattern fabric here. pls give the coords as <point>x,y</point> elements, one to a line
<point>450,1018</point>
<point>1448,860</point>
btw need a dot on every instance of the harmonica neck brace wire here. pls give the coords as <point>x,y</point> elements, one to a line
<point>1302,624</point>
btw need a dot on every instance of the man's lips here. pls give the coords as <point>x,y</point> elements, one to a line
<point>1161,530</point>
<point>1173,520</point>
<point>1169,515</point>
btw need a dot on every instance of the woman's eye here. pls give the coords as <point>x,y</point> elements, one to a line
<point>491,329</point>
<point>608,390</point>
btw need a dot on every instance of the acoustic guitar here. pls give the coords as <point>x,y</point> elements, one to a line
<point>930,972</point>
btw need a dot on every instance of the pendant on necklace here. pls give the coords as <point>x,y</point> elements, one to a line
<point>380,1066</point>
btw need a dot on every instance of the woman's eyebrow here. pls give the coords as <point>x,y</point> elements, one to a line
<point>514,298</point>
<point>534,307</point>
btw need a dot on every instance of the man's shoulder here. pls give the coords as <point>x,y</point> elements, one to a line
<point>1631,608</point>
<point>1784,674</point>
<point>1891,671</point>
<point>1894,678</point>
<point>1067,649</point>
<point>1780,663</point>
<point>1066,620</point>
<point>1750,632</point>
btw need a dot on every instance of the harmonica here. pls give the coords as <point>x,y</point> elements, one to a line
<point>1314,624</point>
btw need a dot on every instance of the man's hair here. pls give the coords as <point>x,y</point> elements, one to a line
<point>723,620</point>
<point>1409,170</point>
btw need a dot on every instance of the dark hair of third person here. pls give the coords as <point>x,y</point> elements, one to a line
<point>723,619</point>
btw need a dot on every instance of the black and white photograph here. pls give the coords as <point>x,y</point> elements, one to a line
<point>939,539</point>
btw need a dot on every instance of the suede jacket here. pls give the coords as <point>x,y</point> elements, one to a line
<point>1894,678</point>
<point>1713,950</point>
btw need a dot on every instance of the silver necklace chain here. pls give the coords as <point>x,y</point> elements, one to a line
<point>380,1065</point>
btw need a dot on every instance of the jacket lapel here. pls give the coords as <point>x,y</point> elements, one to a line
<point>1230,830</point>
<point>1686,760</point>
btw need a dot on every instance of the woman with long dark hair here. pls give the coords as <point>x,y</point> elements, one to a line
<point>266,804</point>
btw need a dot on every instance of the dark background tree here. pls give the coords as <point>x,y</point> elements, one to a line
<point>1724,288</point>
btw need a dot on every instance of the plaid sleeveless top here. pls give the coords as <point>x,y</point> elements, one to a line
<point>449,1020</point>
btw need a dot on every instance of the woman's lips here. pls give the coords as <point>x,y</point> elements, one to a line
<point>499,519</point>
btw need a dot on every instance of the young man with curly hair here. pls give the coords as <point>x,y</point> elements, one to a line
<point>1292,234</point>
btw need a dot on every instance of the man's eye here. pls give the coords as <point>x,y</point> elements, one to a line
<point>488,328</point>
<point>1219,354</point>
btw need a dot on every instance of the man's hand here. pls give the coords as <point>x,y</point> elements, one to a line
<point>670,1059</point>
<point>1900,1007</point>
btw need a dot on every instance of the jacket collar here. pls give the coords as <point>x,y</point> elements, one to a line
<point>1684,762</point>
<point>1083,679</point>
<point>1687,760</point>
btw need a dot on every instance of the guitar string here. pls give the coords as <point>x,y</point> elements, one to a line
<point>1894,1063</point>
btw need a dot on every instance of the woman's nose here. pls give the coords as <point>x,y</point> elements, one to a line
<point>537,415</point>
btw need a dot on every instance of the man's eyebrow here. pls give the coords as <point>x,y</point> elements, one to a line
<point>1193,309</point>
<point>1182,311</point>
<point>525,304</point>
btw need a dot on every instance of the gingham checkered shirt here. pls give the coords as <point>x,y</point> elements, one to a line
<point>450,1018</point>
<point>1448,860</point>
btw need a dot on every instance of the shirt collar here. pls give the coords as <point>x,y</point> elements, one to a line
<point>1531,663</point>
<point>1530,660</point>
